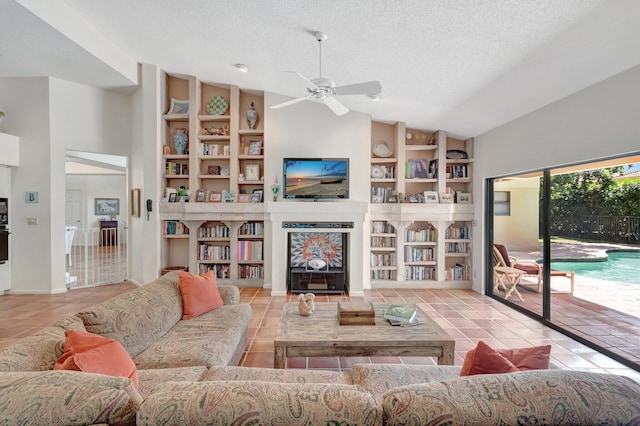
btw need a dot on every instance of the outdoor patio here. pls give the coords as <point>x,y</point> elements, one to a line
<point>604,312</point>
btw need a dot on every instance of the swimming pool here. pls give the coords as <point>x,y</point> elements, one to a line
<point>621,266</point>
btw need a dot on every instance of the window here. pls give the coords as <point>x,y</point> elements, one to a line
<point>502,203</point>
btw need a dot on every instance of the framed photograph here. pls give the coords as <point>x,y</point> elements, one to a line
<point>446,198</point>
<point>107,206</point>
<point>166,149</point>
<point>256,196</point>
<point>135,202</point>
<point>229,196</point>
<point>215,197</point>
<point>255,147</point>
<point>244,198</point>
<point>213,170</point>
<point>252,172</point>
<point>463,198</point>
<point>173,197</point>
<point>377,198</point>
<point>430,197</point>
<point>178,106</point>
<point>413,198</point>
<point>418,169</point>
<point>200,195</point>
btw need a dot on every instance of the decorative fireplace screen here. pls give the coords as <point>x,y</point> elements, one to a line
<point>305,246</point>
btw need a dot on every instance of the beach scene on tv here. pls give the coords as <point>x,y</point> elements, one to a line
<point>316,178</point>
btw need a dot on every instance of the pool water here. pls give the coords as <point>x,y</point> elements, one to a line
<point>621,266</point>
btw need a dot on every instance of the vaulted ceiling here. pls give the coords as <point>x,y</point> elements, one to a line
<point>465,66</point>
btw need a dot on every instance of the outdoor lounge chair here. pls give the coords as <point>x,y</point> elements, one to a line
<point>532,269</point>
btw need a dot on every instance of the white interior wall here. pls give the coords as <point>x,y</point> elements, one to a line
<point>49,116</point>
<point>599,121</point>
<point>100,186</point>
<point>519,230</point>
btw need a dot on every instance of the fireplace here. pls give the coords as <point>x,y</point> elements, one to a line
<point>317,262</point>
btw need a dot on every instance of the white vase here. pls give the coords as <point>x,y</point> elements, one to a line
<point>252,117</point>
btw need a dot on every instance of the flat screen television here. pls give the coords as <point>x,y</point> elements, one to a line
<point>316,178</point>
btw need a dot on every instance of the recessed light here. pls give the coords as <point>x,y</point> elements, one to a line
<point>242,67</point>
<point>375,96</point>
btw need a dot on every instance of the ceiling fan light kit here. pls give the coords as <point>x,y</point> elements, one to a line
<point>324,90</point>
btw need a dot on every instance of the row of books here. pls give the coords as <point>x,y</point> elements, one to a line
<point>457,247</point>
<point>419,273</point>
<point>458,171</point>
<point>414,254</point>
<point>382,242</point>
<point>382,227</point>
<point>420,236</point>
<point>250,250</point>
<point>221,271</point>
<point>214,231</point>
<point>381,274</point>
<point>172,168</point>
<point>174,227</point>
<point>250,271</point>
<point>213,252</point>
<point>459,272</point>
<point>251,228</point>
<point>383,259</point>
<point>457,233</point>
<point>215,149</point>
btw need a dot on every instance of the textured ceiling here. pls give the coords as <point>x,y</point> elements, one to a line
<point>460,65</point>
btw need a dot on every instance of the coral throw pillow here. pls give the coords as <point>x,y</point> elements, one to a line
<point>483,359</point>
<point>199,294</point>
<point>92,353</point>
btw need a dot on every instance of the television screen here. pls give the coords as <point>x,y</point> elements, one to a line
<point>316,178</point>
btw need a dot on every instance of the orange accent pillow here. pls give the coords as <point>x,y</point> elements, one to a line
<point>92,353</point>
<point>483,359</point>
<point>199,294</point>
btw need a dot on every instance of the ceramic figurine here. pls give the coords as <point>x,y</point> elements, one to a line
<point>306,306</point>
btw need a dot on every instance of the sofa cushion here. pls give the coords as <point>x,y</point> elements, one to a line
<point>276,375</point>
<point>529,397</point>
<point>149,380</point>
<point>379,378</point>
<point>483,359</point>
<point>254,402</point>
<point>92,353</point>
<point>210,339</point>
<point>199,294</point>
<point>66,398</point>
<point>140,317</point>
<point>36,352</point>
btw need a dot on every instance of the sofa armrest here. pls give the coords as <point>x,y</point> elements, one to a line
<point>230,294</point>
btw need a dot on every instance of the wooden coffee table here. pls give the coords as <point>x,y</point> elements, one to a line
<point>321,335</point>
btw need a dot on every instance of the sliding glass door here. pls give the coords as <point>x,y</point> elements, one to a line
<point>565,248</point>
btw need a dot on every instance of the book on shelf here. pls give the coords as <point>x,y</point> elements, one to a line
<point>401,313</point>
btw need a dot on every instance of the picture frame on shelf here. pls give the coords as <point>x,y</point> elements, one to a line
<point>166,149</point>
<point>244,198</point>
<point>229,196</point>
<point>377,198</point>
<point>252,172</point>
<point>463,198</point>
<point>255,147</point>
<point>446,198</point>
<point>257,196</point>
<point>215,197</point>
<point>135,202</point>
<point>418,169</point>
<point>213,170</point>
<point>430,197</point>
<point>107,206</point>
<point>179,107</point>
<point>200,195</point>
<point>173,197</point>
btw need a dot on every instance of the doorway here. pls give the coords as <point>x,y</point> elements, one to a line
<point>95,237</point>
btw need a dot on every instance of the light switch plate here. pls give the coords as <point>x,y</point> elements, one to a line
<point>32,221</point>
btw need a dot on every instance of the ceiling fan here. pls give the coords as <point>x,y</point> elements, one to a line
<point>323,90</point>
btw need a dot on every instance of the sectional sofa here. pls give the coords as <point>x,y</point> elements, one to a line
<point>187,375</point>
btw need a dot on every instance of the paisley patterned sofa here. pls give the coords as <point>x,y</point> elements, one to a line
<point>187,376</point>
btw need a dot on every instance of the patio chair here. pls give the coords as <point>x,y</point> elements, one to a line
<point>532,269</point>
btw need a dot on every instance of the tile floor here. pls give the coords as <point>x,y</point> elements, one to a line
<point>465,315</point>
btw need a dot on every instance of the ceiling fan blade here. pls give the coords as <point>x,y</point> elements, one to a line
<point>291,102</point>
<point>334,105</point>
<point>305,79</point>
<point>368,88</point>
